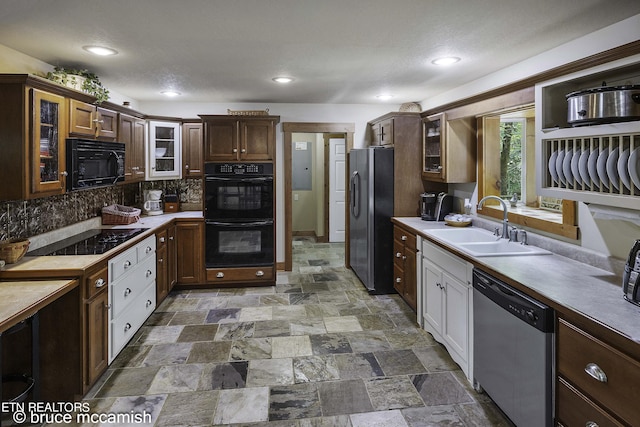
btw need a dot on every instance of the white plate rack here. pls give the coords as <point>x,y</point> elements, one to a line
<point>593,165</point>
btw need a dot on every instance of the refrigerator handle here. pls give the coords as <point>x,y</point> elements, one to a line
<point>355,194</point>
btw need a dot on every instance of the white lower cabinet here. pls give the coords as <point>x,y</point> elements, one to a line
<point>132,292</point>
<point>447,303</point>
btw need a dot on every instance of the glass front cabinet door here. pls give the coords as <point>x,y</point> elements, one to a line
<point>165,150</point>
<point>48,175</point>
<point>433,156</point>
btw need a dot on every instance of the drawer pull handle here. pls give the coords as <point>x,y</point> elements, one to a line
<point>100,282</point>
<point>127,292</point>
<point>127,327</point>
<point>591,424</point>
<point>149,303</point>
<point>596,372</point>
<point>149,273</point>
<point>127,264</point>
<point>259,273</point>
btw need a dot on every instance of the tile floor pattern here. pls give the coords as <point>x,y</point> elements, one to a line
<point>315,350</point>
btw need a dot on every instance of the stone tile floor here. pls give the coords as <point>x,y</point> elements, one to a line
<point>315,350</point>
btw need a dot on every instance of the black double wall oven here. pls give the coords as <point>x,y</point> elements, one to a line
<point>239,215</point>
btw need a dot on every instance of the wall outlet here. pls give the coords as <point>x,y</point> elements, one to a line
<point>296,197</point>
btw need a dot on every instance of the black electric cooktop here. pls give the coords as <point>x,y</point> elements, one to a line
<point>91,242</point>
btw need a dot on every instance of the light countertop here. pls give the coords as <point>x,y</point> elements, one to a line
<point>555,280</point>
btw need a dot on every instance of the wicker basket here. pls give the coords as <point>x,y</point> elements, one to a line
<point>12,250</point>
<point>119,215</point>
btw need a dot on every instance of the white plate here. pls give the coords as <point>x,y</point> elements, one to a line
<point>552,167</point>
<point>559,170</point>
<point>602,167</point>
<point>623,168</point>
<point>566,167</point>
<point>612,168</point>
<point>582,167</point>
<point>634,167</point>
<point>591,166</point>
<point>575,168</point>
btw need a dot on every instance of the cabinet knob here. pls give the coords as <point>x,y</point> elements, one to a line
<point>235,150</point>
<point>243,150</point>
<point>219,275</point>
<point>98,121</point>
<point>398,280</point>
<point>403,238</point>
<point>127,292</point>
<point>149,249</point>
<point>170,237</point>
<point>100,282</point>
<point>398,254</point>
<point>149,273</point>
<point>596,372</point>
<point>149,303</point>
<point>107,307</point>
<point>64,173</point>
<point>259,273</point>
<point>127,327</point>
<point>127,264</point>
<point>186,166</point>
<point>162,240</point>
<point>591,424</point>
<point>160,260</point>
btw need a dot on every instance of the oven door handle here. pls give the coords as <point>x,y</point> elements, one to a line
<point>240,224</point>
<point>236,179</point>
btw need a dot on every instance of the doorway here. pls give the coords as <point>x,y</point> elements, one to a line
<point>329,131</point>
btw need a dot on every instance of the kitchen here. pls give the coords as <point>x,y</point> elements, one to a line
<point>592,237</point>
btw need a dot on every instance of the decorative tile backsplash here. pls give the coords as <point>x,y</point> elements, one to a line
<point>26,218</point>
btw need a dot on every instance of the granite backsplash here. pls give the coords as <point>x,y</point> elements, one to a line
<point>25,218</point>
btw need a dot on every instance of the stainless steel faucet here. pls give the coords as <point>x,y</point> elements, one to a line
<point>505,217</point>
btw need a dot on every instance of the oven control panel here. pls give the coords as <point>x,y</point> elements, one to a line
<point>238,169</point>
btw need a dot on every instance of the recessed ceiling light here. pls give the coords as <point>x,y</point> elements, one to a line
<point>283,79</point>
<point>170,93</point>
<point>384,97</point>
<point>447,60</point>
<point>100,50</point>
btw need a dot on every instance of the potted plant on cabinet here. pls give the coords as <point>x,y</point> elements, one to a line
<point>80,79</point>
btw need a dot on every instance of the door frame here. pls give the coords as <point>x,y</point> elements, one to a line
<point>343,129</point>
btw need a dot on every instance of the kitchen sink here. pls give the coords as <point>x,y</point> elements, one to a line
<point>479,242</point>
<point>462,235</point>
<point>501,247</point>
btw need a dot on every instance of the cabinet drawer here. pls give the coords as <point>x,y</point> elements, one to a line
<point>122,264</point>
<point>574,409</point>
<point>146,248</point>
<point>239,274</point>
<point>398,252</point>
<point>126,325</point>
<point>579,352</point>
<point>161,239</point>
<point>454,265</point>
<point>96,282</point>
<point>407,238</point>
<point>128,288</point>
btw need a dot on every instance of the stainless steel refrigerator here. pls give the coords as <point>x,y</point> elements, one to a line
<point>371,208</point>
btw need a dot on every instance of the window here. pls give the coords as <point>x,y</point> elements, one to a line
<point>506,141</point>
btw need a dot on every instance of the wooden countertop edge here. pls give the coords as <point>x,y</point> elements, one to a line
<point>37,305</point>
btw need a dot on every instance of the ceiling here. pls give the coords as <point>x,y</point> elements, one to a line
<point>338,51</point>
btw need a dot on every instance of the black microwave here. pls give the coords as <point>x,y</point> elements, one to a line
<point>93,163</point>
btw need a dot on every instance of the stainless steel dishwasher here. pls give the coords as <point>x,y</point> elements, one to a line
<point>513,350</point>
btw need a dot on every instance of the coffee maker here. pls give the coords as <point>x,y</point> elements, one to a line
<point>434,207</point>
<point>631,276</point>
<point>152,202</point>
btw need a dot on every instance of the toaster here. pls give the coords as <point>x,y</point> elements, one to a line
<point>631,275</point>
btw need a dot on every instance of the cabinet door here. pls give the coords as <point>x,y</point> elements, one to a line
<point>172,262</point>
<point>432,279</point>
<point>398,266</point>
<point>107,124</point>
<point>165,151</point>
<point>131,133</point>
<point>190,252</point>
<point>97,336</point>
<point>82,119</point>
<point>386,131</point>
<point>257,140</point>
<point>139,144</point>
<point>410,279</point>
<point>433,148</point>
<point>456,311</point>
<point>48,143</point>
<point>221,142</point>
<point>192,150</point>
<point>162,282</point>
